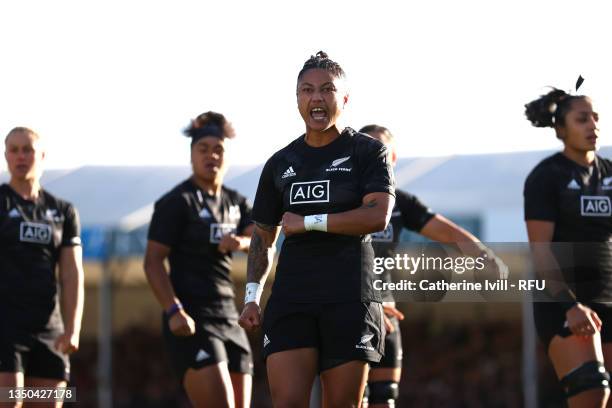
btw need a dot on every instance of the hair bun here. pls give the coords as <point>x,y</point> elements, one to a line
<point>211,118</point>
<point>322,55</point>
<point>541,112</point>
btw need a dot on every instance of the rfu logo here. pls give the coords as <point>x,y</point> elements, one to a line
<point>595,206</point>
<point>309,192</point>
<point>34,232</point>
<point>217,231</point>
<point>383,236</point>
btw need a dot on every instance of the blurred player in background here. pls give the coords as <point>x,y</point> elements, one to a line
<point>38,233</point>
<point>410,213</point>
<point>196,227</point>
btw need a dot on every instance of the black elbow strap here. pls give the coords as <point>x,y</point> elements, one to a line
<point>590,375</point>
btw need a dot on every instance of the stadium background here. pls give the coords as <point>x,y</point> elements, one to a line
<point>455,355</point>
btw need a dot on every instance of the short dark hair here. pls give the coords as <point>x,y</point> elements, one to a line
<point>322,61</point>
<point>370,129</point>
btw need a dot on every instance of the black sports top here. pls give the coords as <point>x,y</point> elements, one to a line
<point>191,223</point>
<point>318,266</point>
<point>577,199</point>
<point>32,235</point>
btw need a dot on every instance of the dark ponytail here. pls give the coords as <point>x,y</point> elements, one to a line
<point>549,110</point>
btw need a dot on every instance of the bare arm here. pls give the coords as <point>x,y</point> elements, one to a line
<point>259,263</point>
<point>179,322</point>
<point>580,319</point>
<point>245,238</point>
<point>72,295</point>
<point>540,235</point>
<point>261,252</point>
<point>443,230</point>
<point>372,216</point>
<point>232,242</point>
<point>157,275</point>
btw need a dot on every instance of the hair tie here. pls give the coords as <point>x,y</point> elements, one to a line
<point>579,82</point>
<point>204,131</point>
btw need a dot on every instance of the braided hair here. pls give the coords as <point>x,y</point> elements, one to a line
<point>322,61</point>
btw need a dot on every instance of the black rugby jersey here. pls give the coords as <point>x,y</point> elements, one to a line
<point>317,266</point>
<point>31,237</point>
<point>192,223</point>
<point>577,199</point>
<point>409,212</point>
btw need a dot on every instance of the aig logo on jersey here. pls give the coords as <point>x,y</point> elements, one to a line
<point>309,192</point>
<point>34,232</point>
<point>595,206</point>
<point>217,231</point>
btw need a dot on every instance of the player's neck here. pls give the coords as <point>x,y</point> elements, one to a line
<point>28,189</point>
<point>581,157</point>
<point>212,188</point>
<point>316,138</point>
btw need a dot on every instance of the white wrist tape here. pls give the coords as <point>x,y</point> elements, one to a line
<point>316,222</point>
<point>253,292</point>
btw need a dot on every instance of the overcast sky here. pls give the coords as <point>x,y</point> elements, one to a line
<point>115,82</point>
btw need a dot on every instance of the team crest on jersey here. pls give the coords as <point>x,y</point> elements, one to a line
<point>205,214</point>
<point>217,231</point>
<point>34,232</point>
<point>606,183</point>
<point>335,165</point>
<point>234,212</point>
<point>383,236</point>
<point>309,192</point>
<point>595,206</point>
<point>14,213</point>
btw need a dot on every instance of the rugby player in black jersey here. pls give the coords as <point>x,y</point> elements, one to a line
<point>567,199</point>
<point>410,213</point>
<point>38,233</point>
<point>329,189</point>
<point>197,226</point>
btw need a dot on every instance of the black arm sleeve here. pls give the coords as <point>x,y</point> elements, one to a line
<point>268,206</point>
<point>71,233</point>
<point>414,213</point>
<point>377,175</point>
<point>168,220</point>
